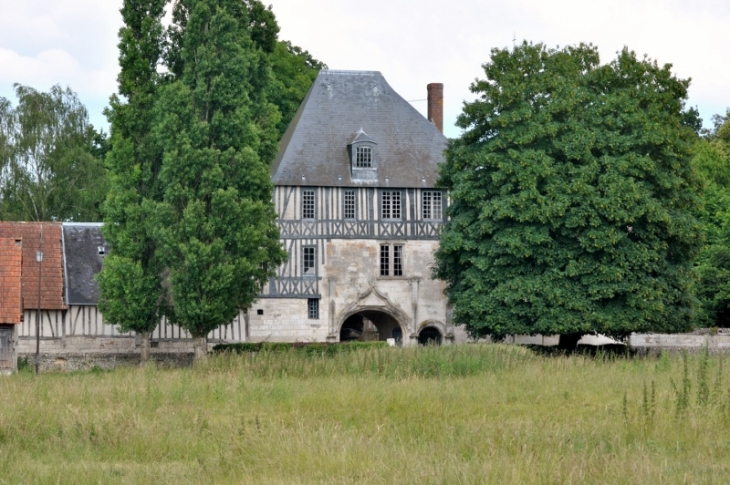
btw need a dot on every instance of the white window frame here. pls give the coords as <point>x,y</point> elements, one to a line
<point>309,256</point>
<point>349,205</point>
<point>391,205</point>
<point>432,205</point>
<point>363,157</point>
<point>391,259</point>
<point>309,207</point>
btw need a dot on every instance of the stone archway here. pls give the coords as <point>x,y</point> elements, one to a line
<point>371,324</point>
<point>430,335</point>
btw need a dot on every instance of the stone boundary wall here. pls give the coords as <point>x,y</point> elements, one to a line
<point>715,343</point>
<point>70,362</point>
<point>85,353</point>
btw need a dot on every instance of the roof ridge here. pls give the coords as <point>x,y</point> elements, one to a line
<point>351,73</point>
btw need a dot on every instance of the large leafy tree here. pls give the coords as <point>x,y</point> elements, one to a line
<point>218,135</point>
<point>131,280</point>
<point>294,71</point>
<point>712,161</point>
<point>572,197</point>
<point>51,158</point>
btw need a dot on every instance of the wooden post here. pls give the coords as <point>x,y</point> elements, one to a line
<point>39,258</point>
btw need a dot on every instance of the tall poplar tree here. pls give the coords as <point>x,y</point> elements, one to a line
<point>131,280</point>
<point>218,135</point>
<point>572,198</point>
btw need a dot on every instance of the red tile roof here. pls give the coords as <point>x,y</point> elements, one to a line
<point>52,291</point>
<point>11,257</point>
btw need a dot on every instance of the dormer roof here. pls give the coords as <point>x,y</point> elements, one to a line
<point>360,137</point>
<point>343,107</point>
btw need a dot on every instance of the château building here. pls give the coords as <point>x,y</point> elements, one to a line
<point>359,214</point>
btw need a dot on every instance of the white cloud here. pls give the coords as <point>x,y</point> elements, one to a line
<point>73,42</point>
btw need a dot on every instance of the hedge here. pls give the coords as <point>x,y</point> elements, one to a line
<point>307,348</point>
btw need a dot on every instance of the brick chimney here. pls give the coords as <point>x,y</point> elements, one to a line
<point>436,105</point>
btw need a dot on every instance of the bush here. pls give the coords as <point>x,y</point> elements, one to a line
<point>306,348</point>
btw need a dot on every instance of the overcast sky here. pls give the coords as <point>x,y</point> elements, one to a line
<point>73,42</point>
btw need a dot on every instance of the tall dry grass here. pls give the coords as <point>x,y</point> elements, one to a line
<point>462,414</point>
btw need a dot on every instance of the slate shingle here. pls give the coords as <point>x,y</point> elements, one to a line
<point>338,105</point>
<point>85,249</point>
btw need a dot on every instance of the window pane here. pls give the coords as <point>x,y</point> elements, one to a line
<point>427,205</point>
<point>391,207</point>
<point>309,260</point>
<point>384,260</point>
<point>437,207</point>
<point>363,157</point>
<point>397,260</point>
<point>313,307</point>
<point>386,209</point>
<point>308,204</point>
<point>349,204</point>
<point>396,205</point>
<point>432,208</point>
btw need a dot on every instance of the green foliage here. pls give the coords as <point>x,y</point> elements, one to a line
<point>309,349</point>
<point>294,71</point>
<point>131,280</point>
<point>51,158</point>
<point>712,162</point>
<point>572,197</point>
<point>217,133</point>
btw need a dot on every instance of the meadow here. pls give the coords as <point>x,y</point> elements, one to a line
<point>436,415</point>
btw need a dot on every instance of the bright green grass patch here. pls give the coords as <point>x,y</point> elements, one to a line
<point>460,414</point>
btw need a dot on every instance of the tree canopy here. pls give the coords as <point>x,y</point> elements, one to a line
<point>132,295</point>
<point>712,161</point>
<point>217,132</point>
<point>294,71</point>
<point>51,158</point>
<point>572,197</point>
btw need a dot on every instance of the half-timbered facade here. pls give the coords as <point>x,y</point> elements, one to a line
<point>359,215</point>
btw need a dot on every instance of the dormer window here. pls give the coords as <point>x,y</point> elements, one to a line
<point>364,157</point>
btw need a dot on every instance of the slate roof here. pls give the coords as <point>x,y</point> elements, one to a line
<point>11,258</point>
<point>84,249</point>
<point>314,151</point>
<point>52,265</point>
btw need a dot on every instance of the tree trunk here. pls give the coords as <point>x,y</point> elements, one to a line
<point>144,351</point>
<point>200,346</point>
<point>569,341</point>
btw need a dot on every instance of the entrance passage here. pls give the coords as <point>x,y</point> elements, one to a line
<point>430,336</point>
<point>371,325</point>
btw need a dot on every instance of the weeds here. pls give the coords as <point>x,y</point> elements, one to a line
<point>461,414</point>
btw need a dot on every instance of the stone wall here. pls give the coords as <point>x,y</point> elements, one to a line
<point>715,342</point>
<point>69,362</point>
<point>351,283</point>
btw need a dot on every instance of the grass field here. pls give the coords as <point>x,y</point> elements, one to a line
<point>460,414</point>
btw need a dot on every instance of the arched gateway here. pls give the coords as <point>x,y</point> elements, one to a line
<point>369,325</point>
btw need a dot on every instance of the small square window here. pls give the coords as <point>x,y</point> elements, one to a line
<point>307,204</point>
<point>260,311</point>
<point>309,265</point>
<point>349,204</point>
<point>364,157</point>
<point>313,308</point>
